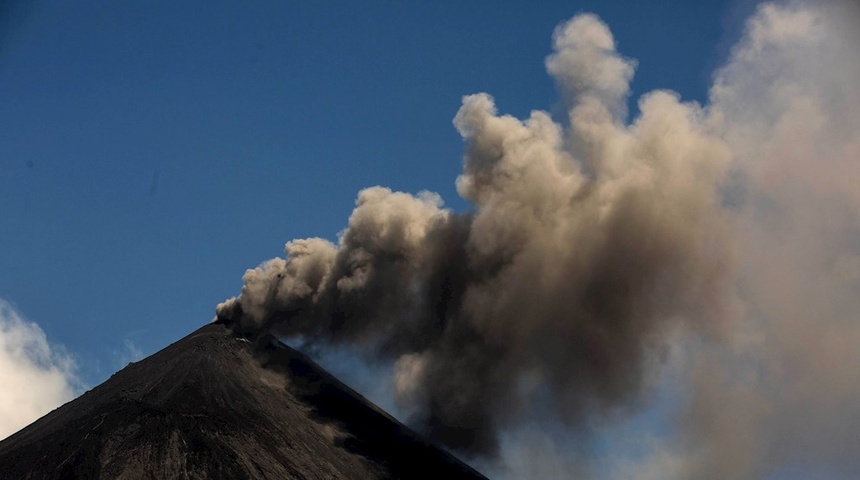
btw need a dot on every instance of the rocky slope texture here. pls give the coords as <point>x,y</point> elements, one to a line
<point>214,405</point>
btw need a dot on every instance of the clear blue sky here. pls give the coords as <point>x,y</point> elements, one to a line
<point>150,152</point>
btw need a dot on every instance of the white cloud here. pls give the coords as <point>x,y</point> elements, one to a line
<point>129,353</point>
<point>36,377</point>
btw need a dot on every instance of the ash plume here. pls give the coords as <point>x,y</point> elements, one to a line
<point>554,289</point>
<point>719,241</point>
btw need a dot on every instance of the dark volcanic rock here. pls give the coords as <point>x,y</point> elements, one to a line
<point>217,406</point>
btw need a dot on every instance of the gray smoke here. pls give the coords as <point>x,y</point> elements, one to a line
<point>723,239</point>
<point>555,289</point>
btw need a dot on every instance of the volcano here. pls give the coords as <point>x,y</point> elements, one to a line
<point>217,405</point>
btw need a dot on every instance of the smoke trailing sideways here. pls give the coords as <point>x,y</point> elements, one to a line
<point>563,276</point>
<point>591,242</point>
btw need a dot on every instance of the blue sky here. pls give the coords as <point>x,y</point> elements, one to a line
<point>152,151</point>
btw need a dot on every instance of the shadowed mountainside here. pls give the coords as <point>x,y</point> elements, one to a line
<point>214,405</point>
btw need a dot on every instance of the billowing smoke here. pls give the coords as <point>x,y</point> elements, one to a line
<point>781,395</point>
<point>556,287</point>
<point>594,245</point>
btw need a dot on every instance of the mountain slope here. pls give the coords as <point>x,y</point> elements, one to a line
<point>214,405</point>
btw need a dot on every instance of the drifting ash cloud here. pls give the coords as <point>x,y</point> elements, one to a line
<point>727,234</point>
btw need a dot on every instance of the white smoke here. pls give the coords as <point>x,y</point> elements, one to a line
<point>784,392</point>
<point>35,376</point>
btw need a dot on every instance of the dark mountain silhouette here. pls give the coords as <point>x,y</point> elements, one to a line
<point>214,405</point>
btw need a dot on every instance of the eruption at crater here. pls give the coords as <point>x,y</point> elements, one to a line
<point>721,240</point>
<point>584,247</point>
<point>668,296</point>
